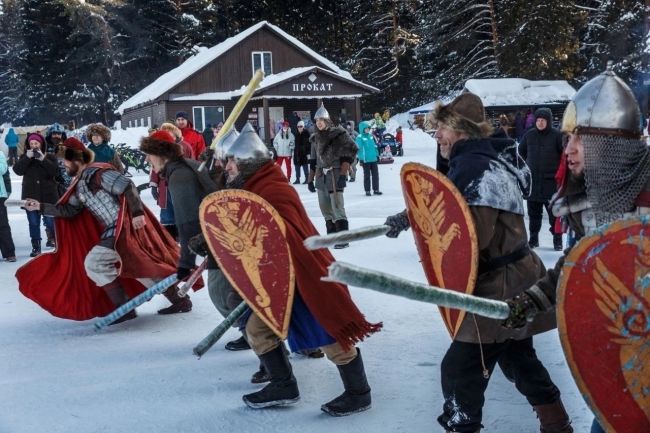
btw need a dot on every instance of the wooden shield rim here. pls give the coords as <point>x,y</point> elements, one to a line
<point>445,312</point>
<point>243,194</point>
<point>576,252</point>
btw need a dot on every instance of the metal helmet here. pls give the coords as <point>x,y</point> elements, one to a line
<point>321,113</point>
<point>248,146</point>
<point>605,105</point>
<point>224,143</point>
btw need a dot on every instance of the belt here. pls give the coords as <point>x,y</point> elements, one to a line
<point>485,266</point>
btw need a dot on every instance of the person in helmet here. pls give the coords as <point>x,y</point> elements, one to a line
<point>609,178</point>
<point>332,153</point>
<point>332,322</point>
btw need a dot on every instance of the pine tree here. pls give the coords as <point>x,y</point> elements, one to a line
<point>13,102</point>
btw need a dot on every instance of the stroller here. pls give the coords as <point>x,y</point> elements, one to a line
<point>392,143</point>
<point>385,154</point>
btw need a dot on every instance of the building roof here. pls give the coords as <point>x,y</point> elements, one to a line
<point>273,80</point>
<point>205,56</point>
<point>504,92</point>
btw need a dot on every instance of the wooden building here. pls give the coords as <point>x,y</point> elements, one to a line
<point>208,85</point>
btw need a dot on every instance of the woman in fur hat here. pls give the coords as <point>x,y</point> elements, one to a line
<point>99,137</point>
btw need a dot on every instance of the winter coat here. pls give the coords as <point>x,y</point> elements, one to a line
<point>194,139</point>
<point>366,144</point>
<point>542,151</point>
<point>3,169</point>
<point>208,136</point>
<point>11,139</point>
<point>38,178</point>
<point>302,148</point>
<point>105,153</point>
<point>330,148</point>
<point>284,143</point>
<point>499,233</point>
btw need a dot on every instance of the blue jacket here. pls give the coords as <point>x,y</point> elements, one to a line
<point>366,144</point>
<point>11,139</point>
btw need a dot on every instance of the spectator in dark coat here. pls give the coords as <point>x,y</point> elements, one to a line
<point>7,247</point>
<point>301,152</point>
<point>542,149</point>
<point>39,170</point>
<point>208,134</point>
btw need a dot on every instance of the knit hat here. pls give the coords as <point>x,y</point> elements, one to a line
<point>35,137</point>
<point>544,113</point>
<point>182,114</point>
<point>301,123</point>
<point>161,143</point>
<point>74,150</point>
<point>464,114</point>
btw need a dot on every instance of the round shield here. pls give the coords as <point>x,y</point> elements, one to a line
<point>603,317</point>
<point>246,236</point>
<point>444,234</point>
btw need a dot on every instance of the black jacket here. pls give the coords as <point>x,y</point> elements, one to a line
<point>38,178</point>
<point>542,151</point>
<point>302,149</point>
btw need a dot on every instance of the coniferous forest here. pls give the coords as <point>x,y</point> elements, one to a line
<point>76,59</point>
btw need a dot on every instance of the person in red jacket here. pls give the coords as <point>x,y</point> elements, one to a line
<point>192,136</point>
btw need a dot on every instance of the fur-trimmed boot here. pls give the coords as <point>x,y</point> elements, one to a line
<point>179,305</point>
<point>341,225</point>
<point>117,295</point>
<point>356,397</point>
<point>283,388</point>
<point>553,418</point>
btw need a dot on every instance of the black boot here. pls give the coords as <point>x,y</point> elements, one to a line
<point>50,239</point>
<point>36,248</point>
<point>557,242</point>
<point>341,225</point>
<point>297,181</point>
<point>283,389</point>
<point>356,397</point>
<point>117,295</point>
<point>261,375</point>
<point>239,344</point>
<point>330,227</point>
<point>179,305</point>
<point>534,240</point>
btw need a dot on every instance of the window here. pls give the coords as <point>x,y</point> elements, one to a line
<point>204,116</point>
<point>149,121</point>
<point>262,60</point>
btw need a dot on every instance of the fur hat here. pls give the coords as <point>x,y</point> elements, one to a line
<point>98,129</point>
<point>161,143</point>
<point>74,150</point>
<point>464,114</point>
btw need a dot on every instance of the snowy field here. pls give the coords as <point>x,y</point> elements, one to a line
<point>60,376</point>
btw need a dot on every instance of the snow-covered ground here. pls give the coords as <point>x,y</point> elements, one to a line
<point>60,376</point>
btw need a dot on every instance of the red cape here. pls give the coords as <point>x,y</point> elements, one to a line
<point>330,303</point>
<point>57,281</point>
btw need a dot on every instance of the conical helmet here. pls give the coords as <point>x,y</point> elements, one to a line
<point>224,143</point>
<point>248,146</point>
<point>321,113</point>
<point>605,105</point>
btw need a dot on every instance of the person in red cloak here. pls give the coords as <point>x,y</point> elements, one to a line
<point>103,227</point>
<point>332,322</point>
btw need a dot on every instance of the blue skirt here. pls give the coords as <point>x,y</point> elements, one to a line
<point>304,330</point>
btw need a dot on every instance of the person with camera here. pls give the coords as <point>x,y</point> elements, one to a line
<point>39,171</point>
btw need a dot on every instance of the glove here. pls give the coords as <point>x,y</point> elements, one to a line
<point>523,309</point>
<point>183,273</point>
<point>198,245</point>
<point>154,193</point>
<point>311,187</point>
<point>206,155</point>
<point>397,223</point>
<point>340,183</point>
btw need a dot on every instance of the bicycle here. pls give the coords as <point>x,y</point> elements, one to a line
<point>132,158</point>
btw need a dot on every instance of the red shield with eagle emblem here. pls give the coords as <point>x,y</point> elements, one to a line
<point>246,236</point>
<point>444,233</point>
<point>603,316</point>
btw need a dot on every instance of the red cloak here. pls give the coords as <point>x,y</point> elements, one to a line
<point>57,281</point>
<point>330,303</point>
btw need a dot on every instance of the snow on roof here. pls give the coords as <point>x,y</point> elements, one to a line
<point>518,91</point>
<point>268,81</point>
<point>499,92</point>
<point>204,57</point>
